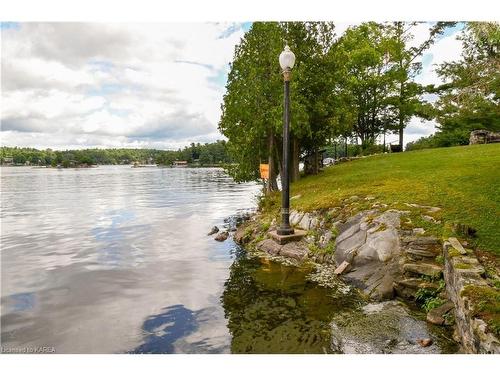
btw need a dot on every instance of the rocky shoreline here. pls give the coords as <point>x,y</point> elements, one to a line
<point>381,252</point>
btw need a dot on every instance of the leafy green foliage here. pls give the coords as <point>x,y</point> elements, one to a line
<point>208,154</point>
<point>454,137</point>
<point>470,98</point>
<point>428,298</point>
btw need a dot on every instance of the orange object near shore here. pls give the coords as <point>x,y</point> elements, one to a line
<point>264,171</point>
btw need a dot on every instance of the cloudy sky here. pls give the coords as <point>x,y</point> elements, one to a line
<point>79,85</point>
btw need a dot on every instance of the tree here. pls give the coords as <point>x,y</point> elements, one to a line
<point>206,157</point>
<point>366,83</point>
<point>470,97</point>
<point>251,113</point>
<point>404,67</point>
<point>253,109</point>
<point>313,78</point>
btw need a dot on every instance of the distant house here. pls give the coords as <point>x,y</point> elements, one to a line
<point>180,163</point>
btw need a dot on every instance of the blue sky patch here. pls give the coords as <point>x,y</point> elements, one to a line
<point>10,25</point>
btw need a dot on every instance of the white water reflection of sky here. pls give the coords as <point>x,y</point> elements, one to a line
<point>90,256</point>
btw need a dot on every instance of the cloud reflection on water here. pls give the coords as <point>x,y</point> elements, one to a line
<point>101,251</point>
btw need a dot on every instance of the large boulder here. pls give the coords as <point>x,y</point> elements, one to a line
<point>483,136</point>
<point>369,242</point>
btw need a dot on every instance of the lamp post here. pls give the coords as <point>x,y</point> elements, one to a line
<point>287,60</point>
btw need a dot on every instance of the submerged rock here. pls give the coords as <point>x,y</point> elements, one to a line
<point>222,236</point>
<point>425,342</point>
<point>386,327</point>
<point>214,230</point>
<point>438,315</point>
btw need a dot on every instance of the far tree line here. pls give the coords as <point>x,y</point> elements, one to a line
<point>200,154</point>
<point>353,87</point>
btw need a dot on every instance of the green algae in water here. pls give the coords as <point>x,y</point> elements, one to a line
<point>274,308</point>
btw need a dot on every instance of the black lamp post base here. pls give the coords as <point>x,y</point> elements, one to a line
<point>282,239</point>
<point>285,231</point>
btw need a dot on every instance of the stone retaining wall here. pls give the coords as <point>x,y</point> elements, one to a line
<point>462,270</point>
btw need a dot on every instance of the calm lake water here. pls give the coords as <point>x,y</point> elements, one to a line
<point>117,260</point>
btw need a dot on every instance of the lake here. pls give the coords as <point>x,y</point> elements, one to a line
<point>117,259</point>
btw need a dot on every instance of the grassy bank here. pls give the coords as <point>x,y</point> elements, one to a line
<point>463,181</point>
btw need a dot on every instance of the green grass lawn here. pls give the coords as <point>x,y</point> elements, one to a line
<point>463,181</point>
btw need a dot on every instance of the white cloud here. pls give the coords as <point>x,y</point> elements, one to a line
<point>448,48</point>
<point>114,85</point>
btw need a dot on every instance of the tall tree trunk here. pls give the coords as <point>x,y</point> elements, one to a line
<point>401,129</point>
<point>271,182</point>
<point>401,119</point>
<point>295,175</point>
<point>315,161</point>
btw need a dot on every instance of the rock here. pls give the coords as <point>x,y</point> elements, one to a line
<point>420,241</point>
<point>430,219</point>
<point>406,288</point>
<point>370,243</point>
<point>390,218</point>
<point>347,229</point>
<point>296,196</point>
<point>214,230</point>
<point>295,217</point>
<point>483,136</point>
<point>342,268</point>
<point>346,250</point>
<point>433,209</point>
<point>412,205</point>
<point>457,245</point>
<point>424,343</point>
<point>241,236</point>
<point>379,246</point>
<point>313,223</point>
<point>460,273</point>
<point>436,316</point>
<point>421,253</point>
<point>222,236</point>
<point>294,250</point>
<point>304,222</point>
<point>384,290</point>
<point>425,269</point>
<point>269,246</point>
<point>325,239</point>
<point>418,231</point>
<point>428,208</point>
<point>383,327</point>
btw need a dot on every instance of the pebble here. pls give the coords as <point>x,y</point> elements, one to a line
<point>424,343</point>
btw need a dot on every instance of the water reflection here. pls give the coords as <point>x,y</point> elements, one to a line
<point>91,257</point>
<point>272,308</point>
<point>163,329</point>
